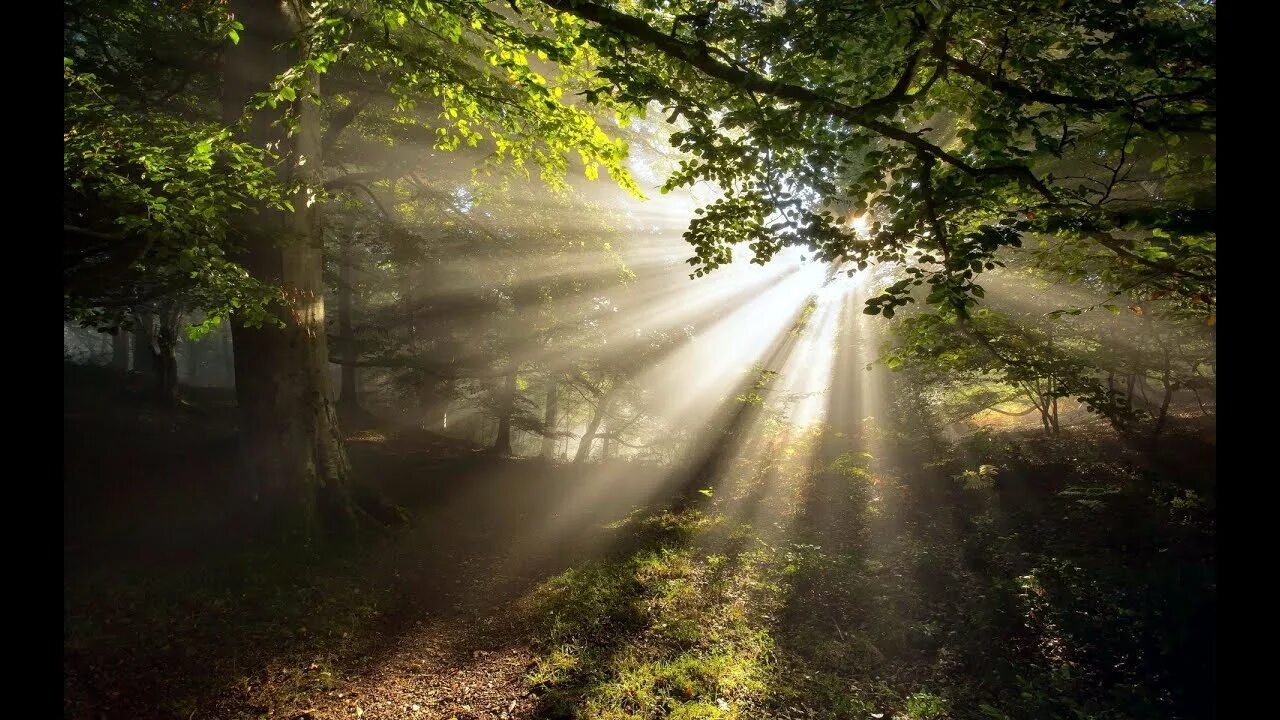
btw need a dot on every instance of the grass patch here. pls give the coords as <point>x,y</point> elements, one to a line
<point>673,629</point>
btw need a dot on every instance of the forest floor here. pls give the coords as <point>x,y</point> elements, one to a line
<point>1005,577</point>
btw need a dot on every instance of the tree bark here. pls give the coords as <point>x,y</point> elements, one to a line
<point>550,417</point>
<point>1166,378</point>
<point>588,437</point>
<point>295,459</point>
<point>228,358</point>
<point>165,359</point>
<point>1037,399</point>
<point>502,444</point>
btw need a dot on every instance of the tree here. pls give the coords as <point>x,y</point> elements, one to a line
<point>296,460</point>
<point>955,130</point>
<point>349,397</point>
<point>166,202</point>
<point>147,202</point>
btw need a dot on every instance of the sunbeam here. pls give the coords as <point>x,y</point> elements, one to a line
<point>643,360</point>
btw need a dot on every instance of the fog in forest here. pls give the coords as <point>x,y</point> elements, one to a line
<point>602,360</point>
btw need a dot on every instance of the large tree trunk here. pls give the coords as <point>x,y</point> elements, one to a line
<point>295,459</point>
<point>550,418</point>
<point>349,397</point>
<point>502,444</point>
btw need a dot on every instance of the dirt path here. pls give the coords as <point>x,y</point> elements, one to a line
<point>165,619</point>
<point>463,667</point>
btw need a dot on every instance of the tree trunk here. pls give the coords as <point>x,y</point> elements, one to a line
<point>143,354</point>
<point>550,417</point>
<point>120,351</point>
<point>408,297</point>
<point>165,360</point>
<point>349,397</point>
<point>502,444</point>
<point>295,459</point>
<point>436,396</point>
<point>228,358</point>
<point>1037,399</point>
<point>588,437</point>
<point>1166,377</point>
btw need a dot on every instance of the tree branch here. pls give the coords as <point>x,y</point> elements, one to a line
<point>340,120</point>
<point>865,116</point>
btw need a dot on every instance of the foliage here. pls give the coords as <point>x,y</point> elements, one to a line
<point>148,199</point>
<point>1107,351</point>
<point>956,127</point>
<point>153,182</point>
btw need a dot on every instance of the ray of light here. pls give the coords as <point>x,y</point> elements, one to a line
<point>805,380</point>
<point>698,381</point>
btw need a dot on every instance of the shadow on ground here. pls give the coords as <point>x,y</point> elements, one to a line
<point>862,569</point>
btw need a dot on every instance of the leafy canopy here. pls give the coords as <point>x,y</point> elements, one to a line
<point>956,127</point>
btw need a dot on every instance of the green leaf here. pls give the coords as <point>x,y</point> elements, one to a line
<point>992,712</point>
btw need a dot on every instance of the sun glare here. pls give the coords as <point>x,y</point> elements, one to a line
<point>860,223</point>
